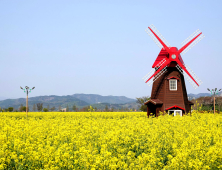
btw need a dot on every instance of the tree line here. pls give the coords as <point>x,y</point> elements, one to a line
<point>201,104</point>
<point>39,107</point>
<point>206,103</point>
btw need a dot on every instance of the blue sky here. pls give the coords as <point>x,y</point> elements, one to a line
<point>101,47</point>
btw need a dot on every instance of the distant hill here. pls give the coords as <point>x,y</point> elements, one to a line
<point>2,98</point>
<point>46,100</point>
<point>80,100</point>
<point>95,98</point>
<point>133,105</point>
<point>195,96</point>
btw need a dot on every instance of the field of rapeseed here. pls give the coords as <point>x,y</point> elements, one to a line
<point>112,140</point>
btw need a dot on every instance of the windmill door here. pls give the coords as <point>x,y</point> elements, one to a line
<point>175,112</point>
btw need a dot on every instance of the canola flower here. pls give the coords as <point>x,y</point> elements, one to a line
<point>110,140</point>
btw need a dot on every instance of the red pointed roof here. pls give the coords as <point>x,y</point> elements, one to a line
<point>174,107</point>
<point>164,54</point>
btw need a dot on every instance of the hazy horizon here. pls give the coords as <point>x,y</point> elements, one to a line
<point>3,98</point>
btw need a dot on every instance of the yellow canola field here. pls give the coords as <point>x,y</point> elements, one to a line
<point>110,140</point>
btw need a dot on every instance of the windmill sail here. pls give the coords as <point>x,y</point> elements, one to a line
<point>192,36</point>
<point>148,31</point>
<point>152,72</point>
<point>172,54</point>
<point>188,77</point>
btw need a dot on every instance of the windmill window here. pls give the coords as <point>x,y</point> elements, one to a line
<point>173,84</point>
<point>175,112</point>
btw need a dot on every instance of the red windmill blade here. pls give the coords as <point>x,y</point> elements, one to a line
<point>197,32</point>
<point>170,56</point>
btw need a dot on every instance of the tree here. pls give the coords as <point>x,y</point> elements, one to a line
<point>106,109</point>
<point>141,102</point>
<point>67,108</point>
<point>126,109</point>
<point>219,102</point>
<point>20,108</point>
<point>23,109</point>
<point>60,108</point>
<point>48,107</point>
<point>39,106</point>
<point>95,109</point>
<point>10,109</point>
<point>45,110</point>
<point>34,107</point>
<point>121,109</point>
<point>203,103</point>
<point>84,109</point>
<point>53,108</point>
<point>74,108</point>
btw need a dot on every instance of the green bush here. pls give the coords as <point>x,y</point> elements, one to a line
<point>45,110</point>
<point>10,109</point>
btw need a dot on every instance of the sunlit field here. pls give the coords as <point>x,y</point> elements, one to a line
<point>109,140</point>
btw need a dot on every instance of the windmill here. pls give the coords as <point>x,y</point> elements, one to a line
<point>167,76</point>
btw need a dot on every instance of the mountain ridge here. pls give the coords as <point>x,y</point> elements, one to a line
<point>80,100</point>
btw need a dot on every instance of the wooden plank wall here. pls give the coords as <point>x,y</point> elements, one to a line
<point>161,90</point>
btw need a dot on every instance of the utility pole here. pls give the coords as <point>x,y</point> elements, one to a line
<point>27,92</point>
<point>214,92</point>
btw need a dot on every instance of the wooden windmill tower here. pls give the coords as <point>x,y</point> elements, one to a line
<point>169,91</point>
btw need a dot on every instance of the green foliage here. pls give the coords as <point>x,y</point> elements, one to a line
<point>53,108</point>
<point>74,108</point>
<point>23,109</point>
<point>67,108</point>
<point>48,106</point>
<point>141,102</point>
<point>20,108</point>
<point>10,109</point>
<point>106,109</point>
<point>45,110</point>
<point>34,107</point>
<point>39,106</point>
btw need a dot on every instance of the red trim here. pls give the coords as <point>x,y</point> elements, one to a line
<point>172,78</point>
<point>175,106</point>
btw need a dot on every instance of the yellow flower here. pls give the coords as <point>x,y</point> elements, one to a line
<point>111,140</point>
